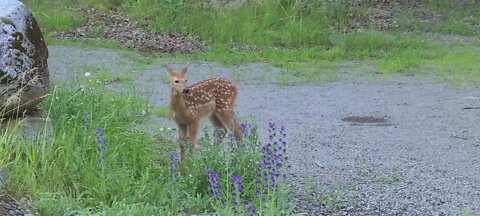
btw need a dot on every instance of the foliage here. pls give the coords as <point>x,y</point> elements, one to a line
<point>97,162</point>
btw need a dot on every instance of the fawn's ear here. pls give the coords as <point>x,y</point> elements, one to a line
<point>169,69</point>
<point>185,68</point>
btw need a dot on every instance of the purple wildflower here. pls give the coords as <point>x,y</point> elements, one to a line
<point>274,159</point>
<point>245,128</point>
<point>249,210</point>
<point>237,190</point>
<point>173,166</point>
<point>236,185</point>
<point>213,185</point>
<point>85,120</point>
<point>249,133</point>
<point>231,140</point>
<point>100,148</point>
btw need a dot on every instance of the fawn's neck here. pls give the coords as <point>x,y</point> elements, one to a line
<point>177,101</point>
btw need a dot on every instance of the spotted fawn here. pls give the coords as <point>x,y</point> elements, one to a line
<point>213,97</point>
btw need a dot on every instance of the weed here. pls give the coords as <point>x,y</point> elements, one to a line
<point>125,79</point>
<point>466,212</point>
<point>260,77</point>
<point>389,179</point>
<point>161,111</point>
<point>238,75</point>
<point>329,200</point>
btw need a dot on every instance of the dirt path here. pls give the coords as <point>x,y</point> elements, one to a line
<point>420,156</point>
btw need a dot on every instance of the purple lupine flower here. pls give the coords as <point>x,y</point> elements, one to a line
<point>173,166</point>
<point>231,140</point>
<point>274,159</point>
<point>249,133</point>
<point>85,120</point>
<point>100,148</point>
<point>249,210</point>
<point>213,185</point>
<point>237,190</point>
<point>245,128</point>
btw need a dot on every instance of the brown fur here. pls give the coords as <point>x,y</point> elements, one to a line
<point>214,97</point>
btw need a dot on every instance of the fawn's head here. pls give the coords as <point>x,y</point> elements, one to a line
<point>178,80</point>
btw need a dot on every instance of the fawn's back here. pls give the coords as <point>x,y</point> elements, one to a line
<point>210,95</point>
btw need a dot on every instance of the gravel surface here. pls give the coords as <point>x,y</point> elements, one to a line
<point>405,146</point>
<point>11,207</point>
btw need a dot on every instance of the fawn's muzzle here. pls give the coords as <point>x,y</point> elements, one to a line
<point>185,91</point>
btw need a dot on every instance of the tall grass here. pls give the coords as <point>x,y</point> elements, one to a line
<point>55,15</point>
<point>271,23</point>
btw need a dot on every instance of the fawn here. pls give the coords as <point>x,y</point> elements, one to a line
<point>214,97</point>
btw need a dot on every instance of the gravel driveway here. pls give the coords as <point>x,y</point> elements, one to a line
<point>405,146</point>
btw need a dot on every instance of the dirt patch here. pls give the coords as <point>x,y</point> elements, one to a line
<point>379,14</point>
<point>416,167</point>
<point>365,119</point>
<point>114,25</point>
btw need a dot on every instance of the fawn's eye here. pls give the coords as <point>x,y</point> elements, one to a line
<point>176,81</point>
<point>185,80</point>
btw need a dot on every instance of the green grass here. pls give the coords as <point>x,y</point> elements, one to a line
<point>261,23</point>
<point>445,17</point>
<point>453,28</point>
<point>88,42</point>
<point>459,66</point>
<point>357,45</point>
<point>55,15</point>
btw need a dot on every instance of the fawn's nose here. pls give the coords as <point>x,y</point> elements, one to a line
<point>185,91</point>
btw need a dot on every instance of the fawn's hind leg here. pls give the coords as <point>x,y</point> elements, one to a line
<point>229,122</point>
<point>192,134</point>
<point>219,128</point>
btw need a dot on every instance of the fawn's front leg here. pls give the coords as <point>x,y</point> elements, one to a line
<point>182,139</point>
<point>192,134</point>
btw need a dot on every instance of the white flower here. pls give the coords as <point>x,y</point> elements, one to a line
<point>161,129</point>
<point>87,74</point>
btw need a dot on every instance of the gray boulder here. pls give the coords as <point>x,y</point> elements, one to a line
<point>24,76</point>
